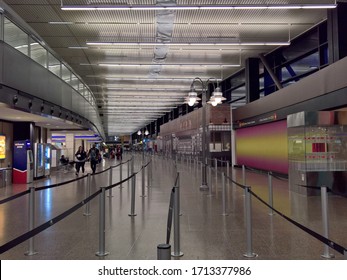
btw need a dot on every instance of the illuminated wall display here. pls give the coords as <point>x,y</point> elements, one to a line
<point>2,146</point>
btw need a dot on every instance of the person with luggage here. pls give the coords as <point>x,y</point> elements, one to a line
<point>93,156</point>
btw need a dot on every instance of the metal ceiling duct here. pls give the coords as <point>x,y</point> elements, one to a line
<point>165,23</point>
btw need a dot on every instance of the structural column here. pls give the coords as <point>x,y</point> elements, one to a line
<point>70,145</point>
<point>252,79</point>
<point>337,28</point>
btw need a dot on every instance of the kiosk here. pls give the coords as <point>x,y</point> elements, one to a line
<point>23,170</point>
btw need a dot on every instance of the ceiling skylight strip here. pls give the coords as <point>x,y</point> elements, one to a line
<point>200,7</point>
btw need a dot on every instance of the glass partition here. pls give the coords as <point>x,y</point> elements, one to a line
<point>65,74</point>
<point>38,53</point>
<point>53,64</point>
<point>20,40</point>
<point>15,37</point>
<point>74,81</point>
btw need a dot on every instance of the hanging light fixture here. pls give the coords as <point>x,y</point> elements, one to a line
<point>217,97</point>
<point>192,97</point>
<point>146,132</point>
<point>139,133</point>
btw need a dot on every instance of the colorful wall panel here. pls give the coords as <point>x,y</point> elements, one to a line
<point>263,147</point>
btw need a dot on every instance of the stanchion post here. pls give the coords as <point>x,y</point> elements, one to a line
<point>248,205</point>
<point>224,199</point>
<point>164,252</point>
<point>325,221</point>
<point>228,171</point>
<point>110,183</point>
<point>210,180</point>
<point>87,208</point>
<point>121,173</point>
<point>216,172</point>
<point>128,169</point>
<point>102,251</point>
<point>133,188</point>
<point>31,250</point>
<point>243,175</point>
<point>149,175</point>
<point>177,232</point>
<point>143,174</point>
<point>270,193</point>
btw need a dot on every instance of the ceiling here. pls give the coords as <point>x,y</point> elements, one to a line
<point>145,81</point>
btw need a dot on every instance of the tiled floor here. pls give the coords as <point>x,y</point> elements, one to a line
<point>205,233</point>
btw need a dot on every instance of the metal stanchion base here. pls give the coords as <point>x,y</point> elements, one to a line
<point>204,188</point>
<point>132,215</point>
<point>329,256</point>
<point>87,214</point>
<point>163,252</point>
<point>110,196</point>
<point>179,254</point>
<point>250,255</point>
<point>102,254</point>
<point>31,253</point>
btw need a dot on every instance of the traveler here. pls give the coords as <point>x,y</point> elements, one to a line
<point>93,156</point>
<point>81,157</point>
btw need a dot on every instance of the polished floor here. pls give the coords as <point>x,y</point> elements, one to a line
<point>206,234</point>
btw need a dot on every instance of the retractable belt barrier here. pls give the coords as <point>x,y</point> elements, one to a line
<point>20,239</point>
<point>316,235</point>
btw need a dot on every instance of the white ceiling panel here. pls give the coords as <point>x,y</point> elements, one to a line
<point>128,102</point>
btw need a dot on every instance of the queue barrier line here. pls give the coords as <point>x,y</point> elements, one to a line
<point>8,199</point>
<point>22,238</point>
<point>314,234</point>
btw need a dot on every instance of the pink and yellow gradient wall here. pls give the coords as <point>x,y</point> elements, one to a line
<point>263,147</point>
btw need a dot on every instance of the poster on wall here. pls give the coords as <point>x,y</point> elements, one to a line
<point>2,146</point>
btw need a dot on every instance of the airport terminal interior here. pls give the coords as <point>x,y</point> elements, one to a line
<point>173,129</point>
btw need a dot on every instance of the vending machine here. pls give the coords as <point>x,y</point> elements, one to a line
<point>23,164</point>
<point>47,158</point>
<point>39,166</point>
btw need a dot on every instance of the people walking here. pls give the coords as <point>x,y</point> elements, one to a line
<point>93,156</point>
<point>81,157</point>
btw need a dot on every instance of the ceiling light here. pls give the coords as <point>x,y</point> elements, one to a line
<point>146,89</point>
<point>83,48</point>
<point>168,64</point>
<point>217,97</point>
<point>284,43</point>
<point>138,79</point>
<point>61,22</point>
<point>196,7</point>
<point>192,98</point>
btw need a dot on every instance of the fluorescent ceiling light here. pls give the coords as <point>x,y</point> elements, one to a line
<point>196,7</point>
<point>82,48</point>
<point>284,43</point>
<point>61,22</point>
<point>146,89</point>
<point>167,64</point>
<point>142,79</point>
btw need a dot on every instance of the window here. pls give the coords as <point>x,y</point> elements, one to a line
<point>53,64</point>
<point>15,37</point>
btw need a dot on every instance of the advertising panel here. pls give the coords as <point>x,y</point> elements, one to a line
<point>2,146</point>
